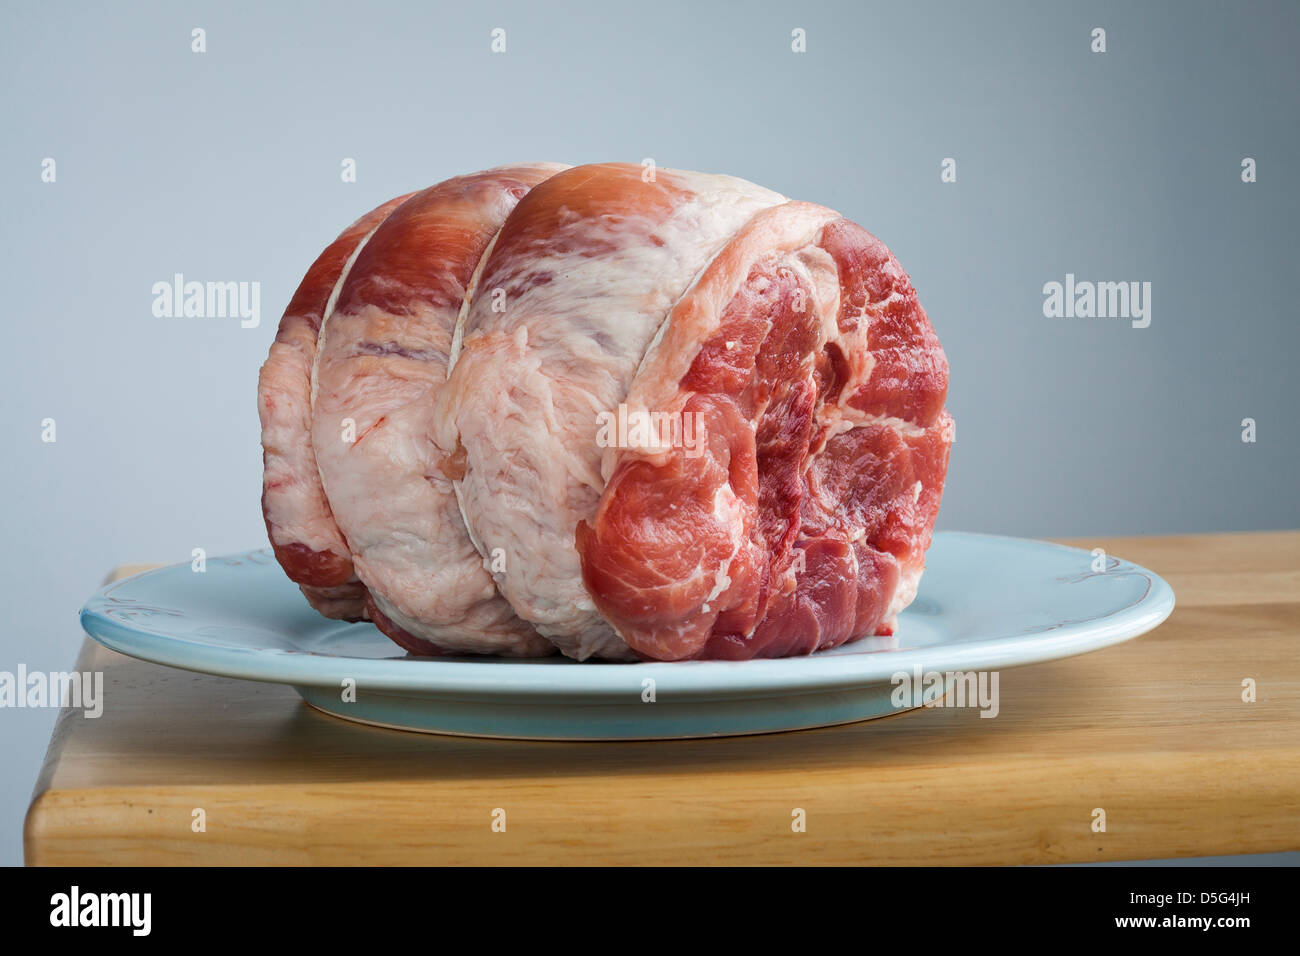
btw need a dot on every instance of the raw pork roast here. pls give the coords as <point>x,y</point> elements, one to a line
<point>623,413</point>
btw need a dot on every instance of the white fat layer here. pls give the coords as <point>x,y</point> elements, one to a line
<point>458,332</point>
<point>528,418</point>
<point>727,509</point>
<point>843,418</point>
<point>329,310</point>
<point>909,580</point>
<point>819,271</point>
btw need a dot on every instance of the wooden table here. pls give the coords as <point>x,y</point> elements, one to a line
<point>1153,731</point>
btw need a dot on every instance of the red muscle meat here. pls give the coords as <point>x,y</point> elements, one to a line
<point>804,522</point>
<point>607,410</point>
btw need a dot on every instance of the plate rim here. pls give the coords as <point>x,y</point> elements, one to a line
<point>513,679</point>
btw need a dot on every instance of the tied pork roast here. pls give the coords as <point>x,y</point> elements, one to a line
<point>618,412</point>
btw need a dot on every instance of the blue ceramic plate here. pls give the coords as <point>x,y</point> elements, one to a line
<point>985,603</point>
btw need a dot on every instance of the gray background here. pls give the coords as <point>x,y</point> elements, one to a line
<point>225,166</point>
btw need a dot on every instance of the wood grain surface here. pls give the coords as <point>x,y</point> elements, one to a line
<point>1153,731</point>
